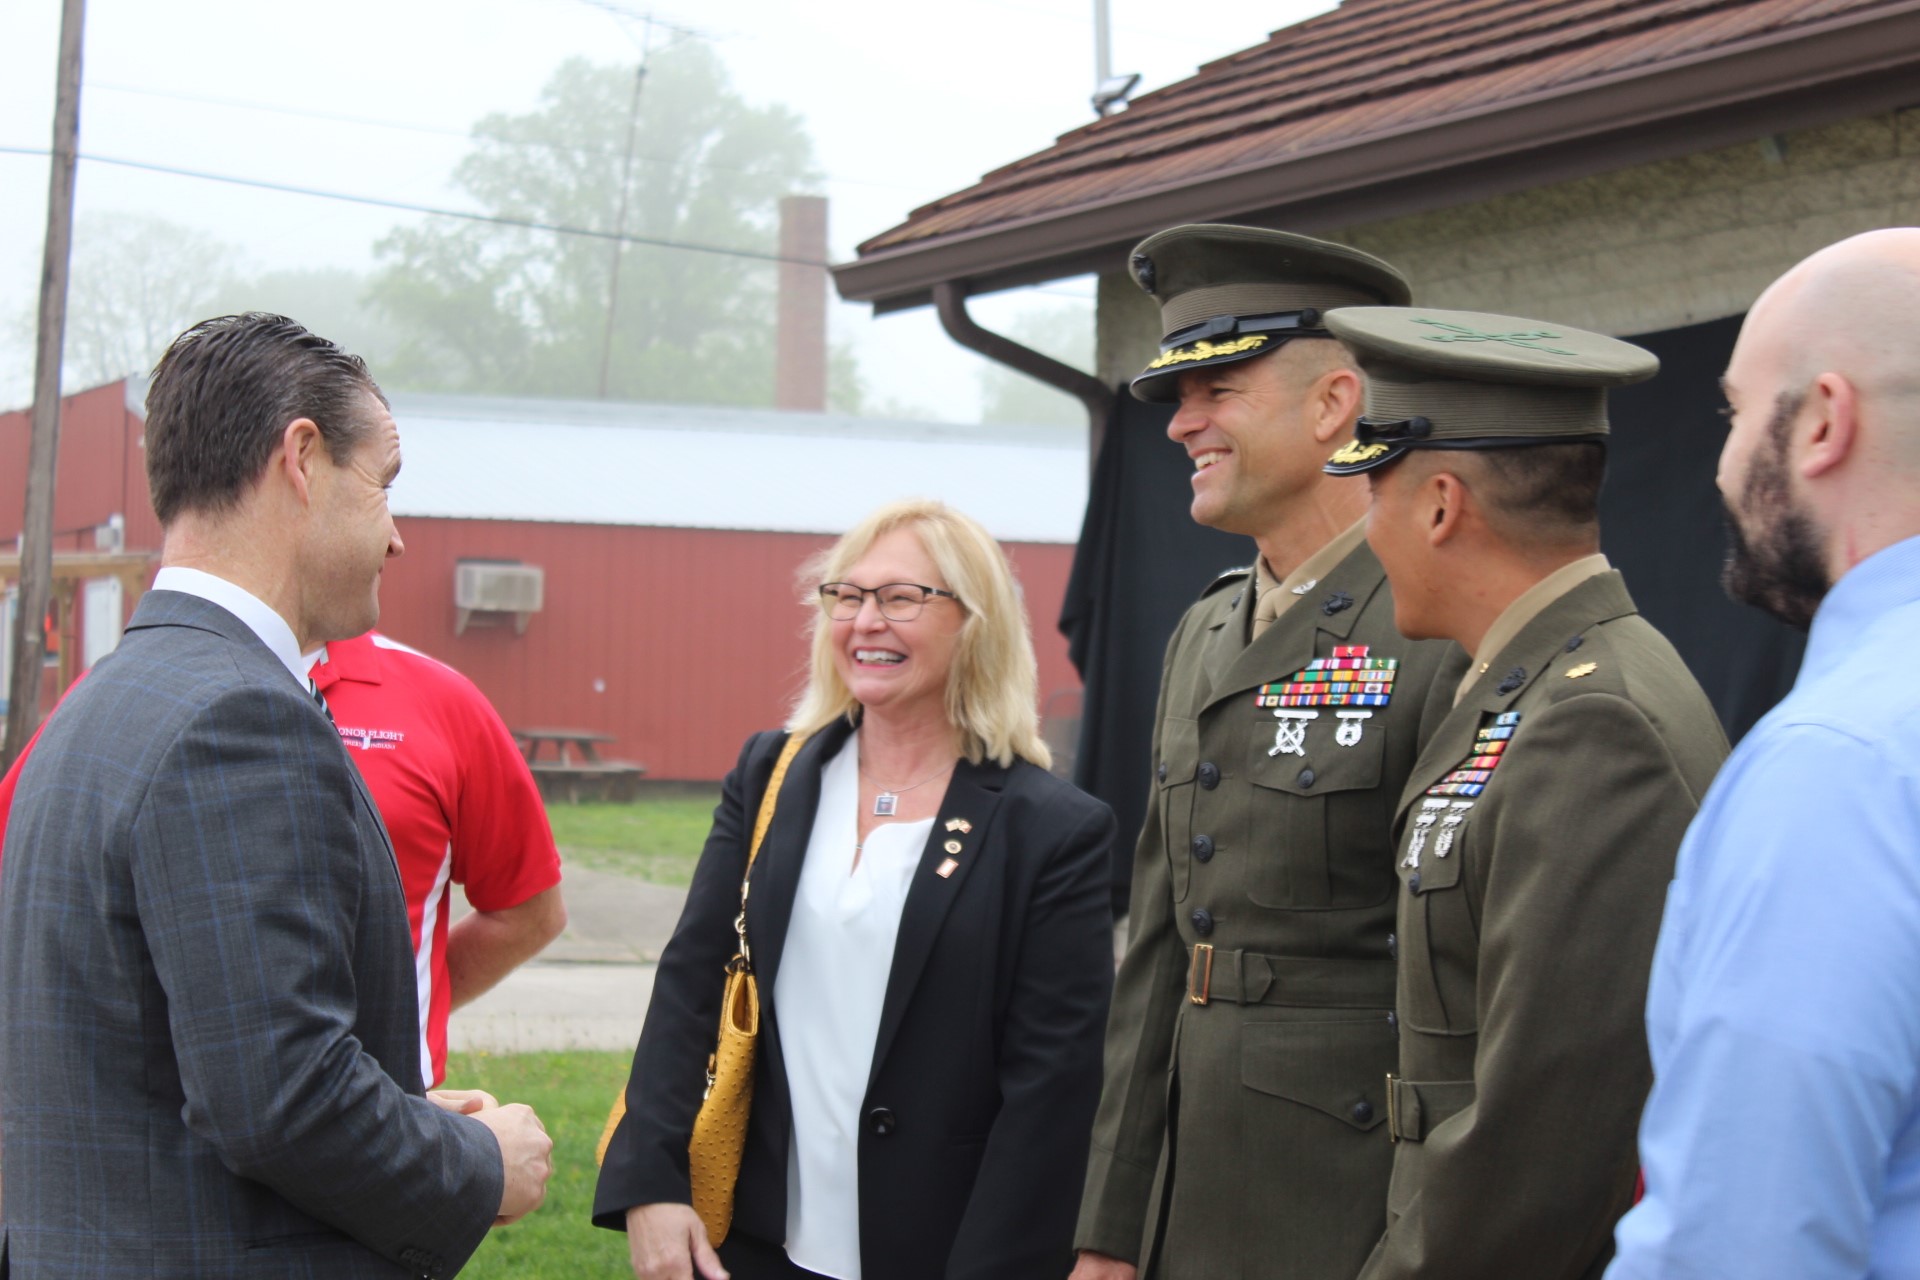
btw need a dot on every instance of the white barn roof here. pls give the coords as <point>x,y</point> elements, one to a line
<point>592,462</point>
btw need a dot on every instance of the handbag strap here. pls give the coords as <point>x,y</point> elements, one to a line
<point>743,958</point>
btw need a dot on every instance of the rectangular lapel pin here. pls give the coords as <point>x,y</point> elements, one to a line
<point>947,868</point>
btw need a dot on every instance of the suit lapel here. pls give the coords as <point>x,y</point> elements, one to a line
<point>971,799</point>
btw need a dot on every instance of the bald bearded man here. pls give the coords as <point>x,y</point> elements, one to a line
<point>1782,1138</point>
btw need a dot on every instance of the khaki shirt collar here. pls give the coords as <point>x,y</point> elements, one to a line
<point>1272,598</point>
<point>1528,606</point>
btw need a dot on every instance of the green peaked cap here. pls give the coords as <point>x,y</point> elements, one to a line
<point>1230,293</point>
<point>1469,380</point>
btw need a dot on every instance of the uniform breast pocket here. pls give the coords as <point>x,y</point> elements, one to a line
<point>1439,943</point>
<point>1179,758</point>
<point>1317,823</point>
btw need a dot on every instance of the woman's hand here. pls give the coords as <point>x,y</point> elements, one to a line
<point>669,1242</point>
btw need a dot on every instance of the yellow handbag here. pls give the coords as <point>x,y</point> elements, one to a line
<point>720,1129</point>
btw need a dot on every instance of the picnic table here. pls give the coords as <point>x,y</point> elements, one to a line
<point>566,763</point>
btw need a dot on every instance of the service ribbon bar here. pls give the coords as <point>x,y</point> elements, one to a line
<point>1470,778</point>
<point>1349,678</point>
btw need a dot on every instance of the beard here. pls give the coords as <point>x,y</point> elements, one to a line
<point>1778,563</point>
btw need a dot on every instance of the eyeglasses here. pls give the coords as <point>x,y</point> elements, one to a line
<point>897,601</point>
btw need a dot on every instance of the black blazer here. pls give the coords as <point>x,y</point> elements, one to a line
<point>986,1069</point>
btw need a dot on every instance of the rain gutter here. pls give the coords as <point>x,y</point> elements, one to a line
<point>950,300</point>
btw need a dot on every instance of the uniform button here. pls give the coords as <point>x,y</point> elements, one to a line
<point>1361,1111</point>
<point>1202,921</point>
<point>881,1121</point>
<point>1393,946</point>
<point>1209,775</point>
<point>1305,779</point>
<point>1203,848</point>
<point>1393,1022</point>
<point>1413,883</point>
<point>1161,772</point>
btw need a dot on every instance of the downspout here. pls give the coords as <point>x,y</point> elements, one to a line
<point>950,300</point>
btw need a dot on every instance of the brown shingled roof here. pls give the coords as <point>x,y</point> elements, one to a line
<point>1329,119</point>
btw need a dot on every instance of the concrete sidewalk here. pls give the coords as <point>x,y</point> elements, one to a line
<point>589,989</point>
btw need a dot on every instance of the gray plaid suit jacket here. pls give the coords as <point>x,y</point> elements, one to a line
<point>209,1041</point>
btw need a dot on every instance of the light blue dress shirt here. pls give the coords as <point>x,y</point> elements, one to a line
<point>1782,1139</point>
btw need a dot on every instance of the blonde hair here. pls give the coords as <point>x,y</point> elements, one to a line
<point>993,686</point>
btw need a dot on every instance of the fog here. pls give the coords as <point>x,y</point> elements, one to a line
<point>904,104</point>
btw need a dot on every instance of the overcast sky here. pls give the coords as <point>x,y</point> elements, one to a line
<point>905,103</point>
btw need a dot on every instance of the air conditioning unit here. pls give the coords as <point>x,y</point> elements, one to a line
<point>492,586</point>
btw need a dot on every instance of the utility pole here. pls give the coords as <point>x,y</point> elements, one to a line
<point>36,538</point>
<point>620,221</point>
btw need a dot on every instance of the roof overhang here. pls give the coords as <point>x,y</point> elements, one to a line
<point>1803,78</point>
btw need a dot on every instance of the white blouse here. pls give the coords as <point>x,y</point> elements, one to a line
<point>833,977</point>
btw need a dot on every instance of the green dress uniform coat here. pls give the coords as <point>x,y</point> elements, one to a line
<point>1244,1137</point>
<point>1526,931</point>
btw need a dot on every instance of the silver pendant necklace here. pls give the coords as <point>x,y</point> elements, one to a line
<point>887,803</point>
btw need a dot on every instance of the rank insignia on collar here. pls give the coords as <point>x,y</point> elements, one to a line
<point>1584,669</point>
<point>1470,777</point>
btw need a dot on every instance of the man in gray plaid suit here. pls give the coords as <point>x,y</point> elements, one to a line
<point>209,1047</point>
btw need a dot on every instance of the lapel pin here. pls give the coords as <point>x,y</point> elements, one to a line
<point>947,868</point>
<point>959,824</point>
<point>952,846</point>
<point>1584,669</point>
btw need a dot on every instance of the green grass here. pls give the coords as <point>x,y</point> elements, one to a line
<point>654,839</point>
<point>572,1092</point>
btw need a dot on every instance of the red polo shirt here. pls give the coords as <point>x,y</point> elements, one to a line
<point>455,794</point>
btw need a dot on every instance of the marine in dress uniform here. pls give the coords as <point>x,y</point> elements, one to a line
<point>1241,1130</point>
<point>1538,830</point>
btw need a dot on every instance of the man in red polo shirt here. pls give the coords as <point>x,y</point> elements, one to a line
<point>460,806</point>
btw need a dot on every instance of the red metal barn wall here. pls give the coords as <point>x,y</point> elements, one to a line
<point>679,642</point>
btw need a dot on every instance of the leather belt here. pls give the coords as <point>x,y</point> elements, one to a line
<point>1248,977</point>
<point>1415,1109</point>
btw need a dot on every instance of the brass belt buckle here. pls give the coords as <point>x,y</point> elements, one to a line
<point>1393,1110</point>
<point>1199,973</point>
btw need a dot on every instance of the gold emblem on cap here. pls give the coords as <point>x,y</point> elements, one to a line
<point>1584,669</point>
<point>1354,452</point>
<point>1205,350</point>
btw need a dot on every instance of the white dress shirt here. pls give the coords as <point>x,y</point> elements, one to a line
<point>244,605</point>
<point>833,977</point>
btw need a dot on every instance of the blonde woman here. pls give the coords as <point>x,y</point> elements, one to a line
<point>930,926</point>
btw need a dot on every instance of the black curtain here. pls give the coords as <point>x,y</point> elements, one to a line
<point>1142,561</point>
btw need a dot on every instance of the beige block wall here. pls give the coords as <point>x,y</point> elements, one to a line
<point>1638,250</point>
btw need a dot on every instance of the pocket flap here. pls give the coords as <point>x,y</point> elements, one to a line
<point>1326,766</point>
<point>1336,1067</point>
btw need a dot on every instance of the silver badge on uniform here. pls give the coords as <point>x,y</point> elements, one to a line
<point>1423,823</point>
<point>1352,725</point>
<point>1450,827</point>
<point>1290,738</point>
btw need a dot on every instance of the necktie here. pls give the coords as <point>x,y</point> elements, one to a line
<point>320,698</point>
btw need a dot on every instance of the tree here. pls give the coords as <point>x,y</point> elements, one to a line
<point>137,281</point>
<point>1064,332</point>
<point>491,308</point>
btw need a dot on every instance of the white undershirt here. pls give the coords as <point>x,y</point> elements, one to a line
<point>833,977</point>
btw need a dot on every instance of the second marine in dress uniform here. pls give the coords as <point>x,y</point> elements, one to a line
<point>1241,1130</point>
<point>1537,833</point>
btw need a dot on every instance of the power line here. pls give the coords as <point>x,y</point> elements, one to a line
<point>443,131</point>
<point>527,224</point>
